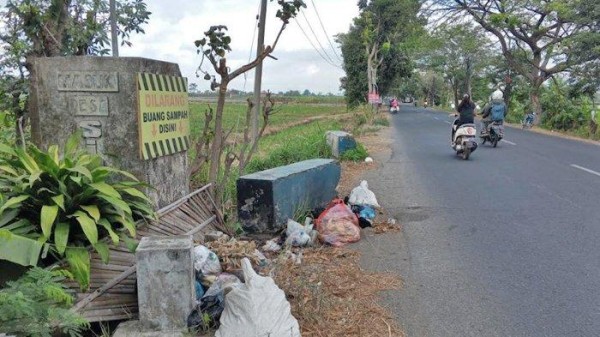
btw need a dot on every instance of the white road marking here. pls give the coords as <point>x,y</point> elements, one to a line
<point>586,169</point>
<point>447,122</point>
<point>437,119</point>
<point>508,142</point>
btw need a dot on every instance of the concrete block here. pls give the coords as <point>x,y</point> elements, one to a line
<point>267,199</point>
<point>340,142</point>
<point>134,329</point>
<point>165,280</point>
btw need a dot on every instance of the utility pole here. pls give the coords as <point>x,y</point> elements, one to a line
<point>258,72</point>
<point>113,29</point>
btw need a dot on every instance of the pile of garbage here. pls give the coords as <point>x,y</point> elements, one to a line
<point>255,305</point>
<point>225,269</point>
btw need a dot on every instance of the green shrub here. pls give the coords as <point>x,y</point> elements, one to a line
<point>38,304</point>
<point>68,203</point>
<point>357,154</point>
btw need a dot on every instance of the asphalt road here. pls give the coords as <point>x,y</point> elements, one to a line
<point>504,244</point>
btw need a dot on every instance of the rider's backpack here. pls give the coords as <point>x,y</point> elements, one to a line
<point>498,112</point>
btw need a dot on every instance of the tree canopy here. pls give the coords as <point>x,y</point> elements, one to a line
<point>540,38</point>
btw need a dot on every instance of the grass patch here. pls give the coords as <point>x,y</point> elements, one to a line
<point>293,145</point>
<point>381,121</point>
<point>234,115</point>
<point>357,154</point>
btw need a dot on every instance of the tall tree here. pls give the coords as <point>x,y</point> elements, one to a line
<point>214,47</point>
<point>375,49</point>
<point>460,53</point>
<point>46,28</point>
<point>543,32</point>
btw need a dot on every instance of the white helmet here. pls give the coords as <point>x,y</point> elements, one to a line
<point>497,95</point>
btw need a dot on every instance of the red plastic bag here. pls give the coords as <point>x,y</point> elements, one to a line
<point>338,225</point>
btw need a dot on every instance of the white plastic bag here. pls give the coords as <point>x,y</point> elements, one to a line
<point>206,261</point>
<point>361,195</point>
<point>298,235</point>
<point>257,308</point>
<point>271,246</point>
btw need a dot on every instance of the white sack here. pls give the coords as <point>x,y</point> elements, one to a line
<point>257,308</point>
<point>361,195</point>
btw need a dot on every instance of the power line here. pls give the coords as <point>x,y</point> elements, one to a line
<point>252,45</point>
<point>316,37</point>
<point>314,47</point>
<point>325,31</point>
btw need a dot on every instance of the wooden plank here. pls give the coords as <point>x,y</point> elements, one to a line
<point>116,317</point>
<point>202,225</point>
<point>102,266</point>
<point>175,204</point>
<point>102,289</point>
<point>175,230</point>
<point>111,314</point>
<point>186,215</point>
<point>174,222</point>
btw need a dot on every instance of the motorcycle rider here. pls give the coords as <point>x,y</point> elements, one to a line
<point>394,104</point>
<point>495,111</point>
<point>466,110</point>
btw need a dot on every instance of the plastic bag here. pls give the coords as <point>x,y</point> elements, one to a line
<point>272,246</point>
<point>366,215</point>
<point>257,308</point>
<point>199,290</point>
<point>212,303</point>
<point>297,235</point>
<point>361,195</point>
<point>206,261</point>
<point>338,225</point>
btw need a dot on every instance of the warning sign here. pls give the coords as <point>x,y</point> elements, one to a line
<point>164,118</point>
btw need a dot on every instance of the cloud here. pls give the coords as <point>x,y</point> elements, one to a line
<point>174,26</point>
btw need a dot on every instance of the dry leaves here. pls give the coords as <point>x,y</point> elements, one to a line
<point>332,296</point>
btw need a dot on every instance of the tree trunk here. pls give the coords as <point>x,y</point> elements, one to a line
<point>534,98</point>
<point>215,158</point>
<point>507,93</point>
<point>369,71</point>
<point>454,84</point>
<point>469,76</point>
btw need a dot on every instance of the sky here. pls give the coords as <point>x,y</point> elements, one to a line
<point>175,24</point>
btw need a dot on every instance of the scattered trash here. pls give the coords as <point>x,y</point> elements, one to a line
<point>391,221</point>
<point>199,290</point>
<point>295,258</point>
<point>298,235</point>
<point>361,195</point>
<point>206,315</point>
<point>365,214</point>
<point>368,160</point>
<point>205,260</point>
<point>272,246</point>
<point>338,225</point>
<point>257,308</point>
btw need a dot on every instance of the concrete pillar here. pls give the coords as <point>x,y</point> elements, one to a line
<point>267,199</point>
<point>340,142</point>
<point>165,280</point>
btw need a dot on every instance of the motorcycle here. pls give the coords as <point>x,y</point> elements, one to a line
<point>528,120</point>
<point>494,134</point>
<point>394,109</point>
<point>464,142</point>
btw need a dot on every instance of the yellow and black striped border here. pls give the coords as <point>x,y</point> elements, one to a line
<point>165,147</point>
<point>157,82</point>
